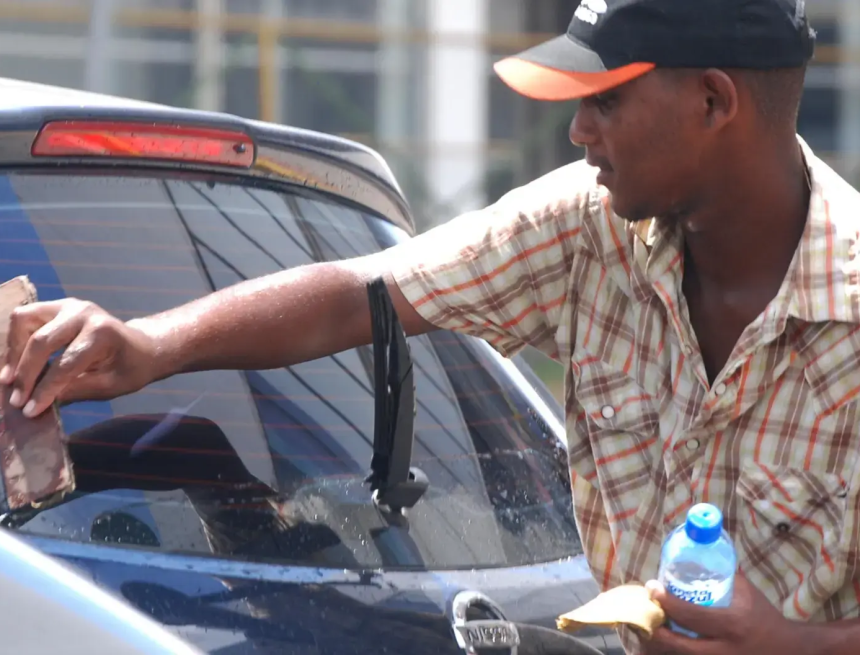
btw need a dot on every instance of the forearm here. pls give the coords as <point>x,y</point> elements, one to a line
<point>833,638</point>
<point>282,319</point>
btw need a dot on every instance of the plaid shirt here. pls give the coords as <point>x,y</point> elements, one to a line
<point>774,441</point>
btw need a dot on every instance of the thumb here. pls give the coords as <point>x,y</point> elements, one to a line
<point>703,620</point>
<point>92,385</point>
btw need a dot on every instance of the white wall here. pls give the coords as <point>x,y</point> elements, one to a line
<point>457,93</point>
<point>209,57</point>
<point>849,80</point>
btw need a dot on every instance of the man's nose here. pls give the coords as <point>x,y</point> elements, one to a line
<point>582,131</point>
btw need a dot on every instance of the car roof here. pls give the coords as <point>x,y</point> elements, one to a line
<point>28,106</point>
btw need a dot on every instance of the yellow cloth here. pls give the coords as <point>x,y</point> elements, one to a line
<point>629,605</point>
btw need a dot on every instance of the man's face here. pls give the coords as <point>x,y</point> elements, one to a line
<point>648,141</point>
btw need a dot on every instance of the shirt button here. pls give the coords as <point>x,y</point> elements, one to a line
<point>608,411</point>
<point>692,444</point>
<point>782,528</point>
<point>688,349</point>
<point>720,389</point>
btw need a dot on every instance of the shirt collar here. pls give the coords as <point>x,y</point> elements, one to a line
<point>823,280</point>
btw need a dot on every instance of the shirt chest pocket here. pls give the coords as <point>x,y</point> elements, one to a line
<point>791,520</point>
<point>622,425</point>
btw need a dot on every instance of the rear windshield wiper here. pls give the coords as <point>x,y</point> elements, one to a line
<point>394,483</point>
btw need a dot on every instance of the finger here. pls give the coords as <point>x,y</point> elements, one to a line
<point>89,385</point>
<point>742,587</point>
<point>648,646</point>
<point>703,620</point>
<point>80,355</point>
<point>48,339</point>
<point>23,322</point>
<point>665,641</point>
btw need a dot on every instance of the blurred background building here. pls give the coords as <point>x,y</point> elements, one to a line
<point>412,78</point>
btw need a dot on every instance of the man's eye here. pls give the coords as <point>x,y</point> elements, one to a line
<point>602,101</point>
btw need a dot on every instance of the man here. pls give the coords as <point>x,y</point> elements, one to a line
<point>697,276</point>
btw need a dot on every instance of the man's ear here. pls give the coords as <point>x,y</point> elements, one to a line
<point>720,98</point>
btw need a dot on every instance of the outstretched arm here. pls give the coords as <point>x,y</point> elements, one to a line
<point>292,316</point>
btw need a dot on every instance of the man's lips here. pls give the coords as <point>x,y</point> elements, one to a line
<point>605,174</point>
<point>604,178</point>
<point>606,170</point>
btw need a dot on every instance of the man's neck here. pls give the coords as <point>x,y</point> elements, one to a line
<point>748,232</point>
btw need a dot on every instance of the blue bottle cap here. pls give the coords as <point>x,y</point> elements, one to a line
<point>704,523</point>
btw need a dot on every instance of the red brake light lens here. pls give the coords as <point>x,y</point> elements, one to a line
<point>145,141</point>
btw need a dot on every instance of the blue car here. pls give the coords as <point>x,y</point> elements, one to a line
<point>408,496</point>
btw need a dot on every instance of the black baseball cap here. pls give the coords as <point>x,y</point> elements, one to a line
<point>611,42</point>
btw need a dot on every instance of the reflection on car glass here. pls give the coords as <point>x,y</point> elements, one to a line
<point>302,436</point>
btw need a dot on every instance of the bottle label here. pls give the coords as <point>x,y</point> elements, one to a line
<point>701,593</point>
<point>695,595</point>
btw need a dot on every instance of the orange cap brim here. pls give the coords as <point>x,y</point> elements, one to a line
<point>543,83</point>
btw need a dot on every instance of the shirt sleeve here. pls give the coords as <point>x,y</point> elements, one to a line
<point>501,273</point>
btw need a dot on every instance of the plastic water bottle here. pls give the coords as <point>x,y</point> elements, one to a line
<point>699,561</point>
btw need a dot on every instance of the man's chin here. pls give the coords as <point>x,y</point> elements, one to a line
<point>626,211</point>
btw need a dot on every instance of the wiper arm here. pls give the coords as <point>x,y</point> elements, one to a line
<point>394,484</point>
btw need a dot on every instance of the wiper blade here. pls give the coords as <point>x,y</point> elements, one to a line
<point>395,485</point>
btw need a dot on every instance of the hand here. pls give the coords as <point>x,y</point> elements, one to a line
<point>102,356</point>
<point>750,626</point>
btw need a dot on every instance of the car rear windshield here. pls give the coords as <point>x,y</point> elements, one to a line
<point>270,465</point>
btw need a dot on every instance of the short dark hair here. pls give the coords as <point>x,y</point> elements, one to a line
<point>777,92</point>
